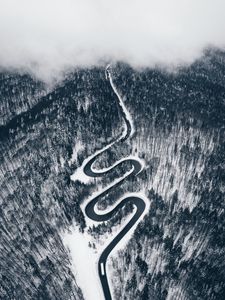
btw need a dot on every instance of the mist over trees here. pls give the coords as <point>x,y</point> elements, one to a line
<point>177,251</point>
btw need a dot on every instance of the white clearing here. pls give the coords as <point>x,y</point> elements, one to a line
<point>84,258</point>
<point>84,263</point>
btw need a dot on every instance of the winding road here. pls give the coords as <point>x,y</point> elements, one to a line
<point>138,202</point>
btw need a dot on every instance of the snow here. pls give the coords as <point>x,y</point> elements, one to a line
<point>84,259</point>
<point>124,241</point>
<point>84,263</point>
<point>82,177</point>
<point>126,112</point>
<point>122,244</point>
<point>79,175</point>
<point>77,147</point>
<point>62,161</point>
<point>130,157</point>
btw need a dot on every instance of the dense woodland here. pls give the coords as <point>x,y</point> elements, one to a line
<point>38,200</point>
<point>178,251</point>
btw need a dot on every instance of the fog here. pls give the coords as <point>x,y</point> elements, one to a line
<point>48,37</point>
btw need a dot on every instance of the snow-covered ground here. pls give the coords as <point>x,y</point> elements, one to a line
<point>84,263</point>
<point>85,259</point>
<point>76,149</point>
<point>123,107</point>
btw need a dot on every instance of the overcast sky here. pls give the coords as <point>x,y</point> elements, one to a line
<point>49,36</point>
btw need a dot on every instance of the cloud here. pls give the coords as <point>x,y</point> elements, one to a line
<point>47,37</point>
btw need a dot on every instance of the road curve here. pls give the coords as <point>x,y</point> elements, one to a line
<point>138,202</point>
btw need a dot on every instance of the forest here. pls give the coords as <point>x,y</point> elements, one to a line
<point>178,250</point>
